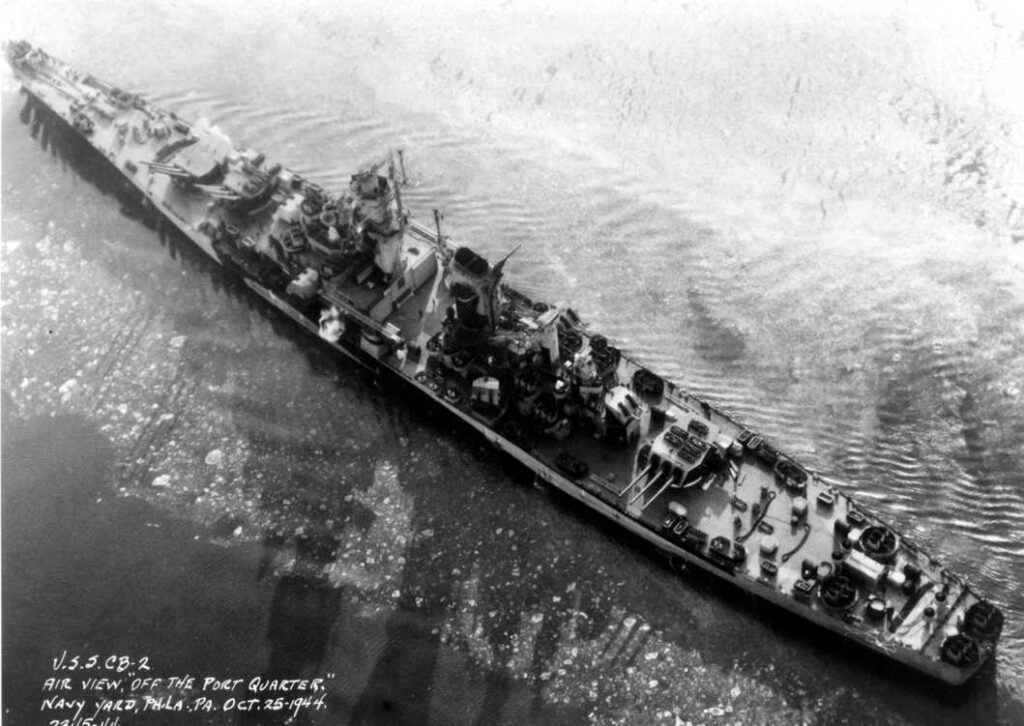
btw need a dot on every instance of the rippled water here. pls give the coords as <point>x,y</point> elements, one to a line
<point>808,215</point>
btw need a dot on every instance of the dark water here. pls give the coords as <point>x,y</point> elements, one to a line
<point>806,215</point>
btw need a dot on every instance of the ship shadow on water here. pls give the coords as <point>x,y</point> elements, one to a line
<point>384,669</point>
<point>75,154</point>
<point>393,666</point>
<point>306,607</point>
<point>302,614</point>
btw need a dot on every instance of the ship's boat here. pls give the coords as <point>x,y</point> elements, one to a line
<point>397,296</point>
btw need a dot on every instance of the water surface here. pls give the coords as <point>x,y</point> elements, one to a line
<point>808,215</point>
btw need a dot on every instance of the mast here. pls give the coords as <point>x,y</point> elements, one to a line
<point>398,194</point>
<point>439,256</point>
<point>437,226</point>
<point>490,290</point>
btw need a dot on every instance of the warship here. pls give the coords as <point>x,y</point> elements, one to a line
<point>355,269</point>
